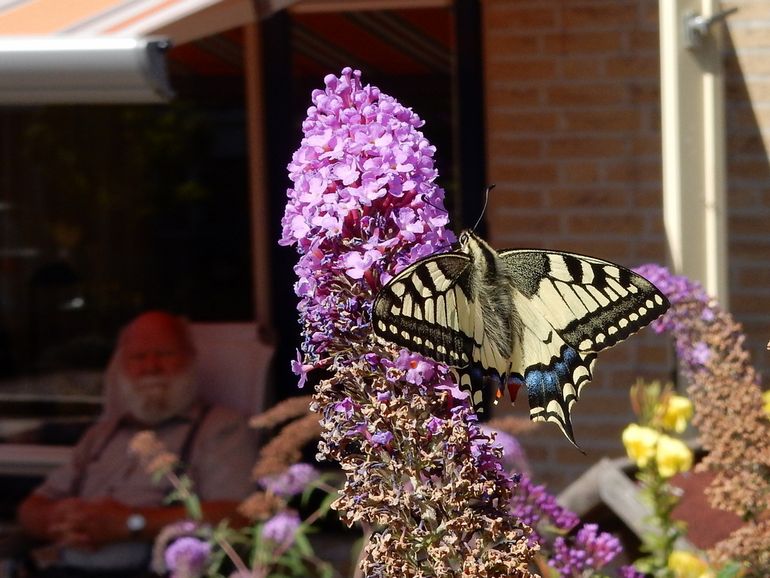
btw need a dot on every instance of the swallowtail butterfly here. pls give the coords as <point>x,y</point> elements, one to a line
<point>519,316</point>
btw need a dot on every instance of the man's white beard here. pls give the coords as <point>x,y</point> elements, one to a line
<point>154,399</point>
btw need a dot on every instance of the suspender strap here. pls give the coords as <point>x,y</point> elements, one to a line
<point>189,440</point>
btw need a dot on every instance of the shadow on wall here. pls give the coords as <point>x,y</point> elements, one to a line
<point>748,174</point>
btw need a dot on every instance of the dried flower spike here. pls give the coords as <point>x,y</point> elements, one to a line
<point>363,206</point>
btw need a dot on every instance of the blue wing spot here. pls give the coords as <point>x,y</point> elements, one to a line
<point>537,380</point>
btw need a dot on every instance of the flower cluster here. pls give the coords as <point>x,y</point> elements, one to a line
<point>573,554</point>
<point>274,545</point>
<point>648,444</point>
<point>729,414</point>
<point>183,550</point>
<point>658,456</point>
<point>685,564</point>
<point>363,205</point>
<point>589,550</point>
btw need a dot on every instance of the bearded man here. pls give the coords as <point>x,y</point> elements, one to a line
<point>102,508</point>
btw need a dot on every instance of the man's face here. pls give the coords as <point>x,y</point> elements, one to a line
<point>156,373</point>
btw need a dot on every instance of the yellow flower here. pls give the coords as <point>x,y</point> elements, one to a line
<point>677,411</point>
<point>766,399</point>
<point>640,443</point>
<point>687,565</point>
<point>672,456</point>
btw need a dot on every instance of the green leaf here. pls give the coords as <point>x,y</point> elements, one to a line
<point>731,570</point>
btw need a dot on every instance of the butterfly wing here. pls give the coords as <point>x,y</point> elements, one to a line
<point>426,308</point>
<point>571,307</point>
<point>431,308</point>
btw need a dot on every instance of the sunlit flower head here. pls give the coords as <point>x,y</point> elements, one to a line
<point>640,443</point>
<point>676,412</point>
<point>672,456</point>
<point>687,565</point>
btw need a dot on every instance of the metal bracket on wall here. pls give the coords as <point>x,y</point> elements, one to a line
<point>696,27</point>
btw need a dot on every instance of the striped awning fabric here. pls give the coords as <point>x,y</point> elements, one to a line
<point>180,20</point>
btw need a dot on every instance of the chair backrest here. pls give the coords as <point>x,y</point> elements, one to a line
<point>233,365</point>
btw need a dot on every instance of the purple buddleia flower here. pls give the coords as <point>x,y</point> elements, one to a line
<point>187,557</point>
<point>282,528</point>
<point>293,481</point>
<point>589,550</point>
<point>514,459</point>
<point>534,505</point>
<point>364,205</point>
<point>630,572</point>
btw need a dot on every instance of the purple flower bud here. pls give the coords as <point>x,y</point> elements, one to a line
<point>282,528</point>
<point>291,482</point>
<point>187,557</point>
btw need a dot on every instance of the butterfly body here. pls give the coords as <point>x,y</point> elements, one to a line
<point>516,317</point>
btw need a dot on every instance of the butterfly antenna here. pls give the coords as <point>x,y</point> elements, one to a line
<point>484,209</point>
<point>439,209</point>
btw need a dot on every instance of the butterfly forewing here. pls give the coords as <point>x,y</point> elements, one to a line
<point>425,309</point>
<point>593,304</point>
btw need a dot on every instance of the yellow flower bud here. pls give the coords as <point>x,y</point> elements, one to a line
<point>766,399</point>
<point>687,565</point>
<point>677,411</point>
<point>640,443</point>
<point>672,456</point>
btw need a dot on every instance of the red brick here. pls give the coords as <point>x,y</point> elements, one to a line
<point>505,42</point>
<point>512,95</point>
<point>642,145</point>
<point>571,198</point>
<point>576,173</point>
<point>516,147</point>
<point>658,354</point>
<point>632,170</point>
<point>528,223</point>
<point>506,195</point>
<point>581,147</point>
<point>750,304</point>
<point>581,68</point>
<point>644,91</point>
<point>757,224</point>
<point>603,120</point>
<point>510,16</point>
<point>520,69</point>
<point>644,41</point>
<point>583,42</point>
<point>602,222</point>
<point>522,172</point>
<point>651,251</point>
<point>600,248</point>
<point>755,277</point>
<point>537,121</point>
<point>606,16</point>
<point>758,248</point>
<point>593,94</point>
<point>634,67</point>
<point>749,169</point>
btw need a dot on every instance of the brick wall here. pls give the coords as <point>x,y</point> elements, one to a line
<point>747,83</point>
<point>573,137</point>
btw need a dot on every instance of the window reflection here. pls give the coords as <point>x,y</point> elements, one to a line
<point>104,212</point>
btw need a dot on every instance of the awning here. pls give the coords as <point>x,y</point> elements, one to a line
<point>101,51</point>
<point>180,20</point>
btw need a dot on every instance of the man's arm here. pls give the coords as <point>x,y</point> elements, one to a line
<point>82,524</point>
<point>35,516</point>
